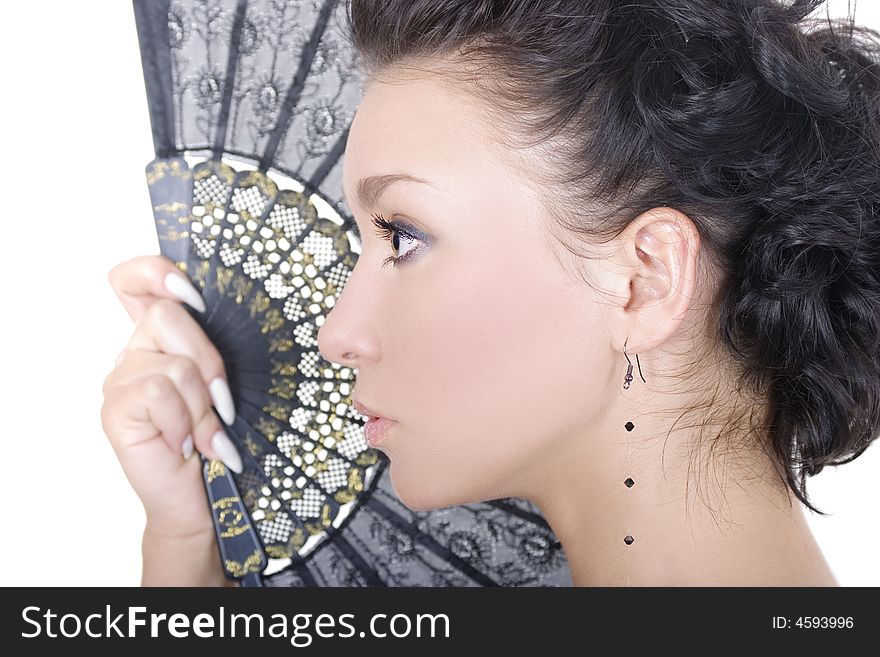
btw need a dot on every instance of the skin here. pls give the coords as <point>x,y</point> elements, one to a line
<point>156,394</point>
<point>504,372</point>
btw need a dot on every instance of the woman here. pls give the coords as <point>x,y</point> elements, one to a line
<point>635,256</point>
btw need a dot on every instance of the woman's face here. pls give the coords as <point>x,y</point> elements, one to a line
<point>489,356</point>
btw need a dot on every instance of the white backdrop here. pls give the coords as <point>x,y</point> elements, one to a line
<point>76,139</point>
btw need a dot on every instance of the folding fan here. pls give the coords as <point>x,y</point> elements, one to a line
<point>250,104</point>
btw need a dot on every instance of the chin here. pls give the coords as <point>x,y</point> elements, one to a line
<point>418,494</point>
<point>415,497</point>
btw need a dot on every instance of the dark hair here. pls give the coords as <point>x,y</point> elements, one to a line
<point>766,135</point>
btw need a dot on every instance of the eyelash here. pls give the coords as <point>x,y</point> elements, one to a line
<point>386,231</point>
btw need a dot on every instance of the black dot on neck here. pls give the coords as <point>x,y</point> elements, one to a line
<point>628,539</point>
<point>629,482</point>
<point>629,426</point>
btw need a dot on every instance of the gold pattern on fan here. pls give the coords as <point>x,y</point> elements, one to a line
<point>225,173</point>
<point>200,273</point>
<point>259,303</point>
<point>251,565</point>
<point>320,526</point>
<point>268,428</point>
<point>222,278</point>
<point>355,483</point>
<point>367,458</point>
<point>277,410</point>
<point>171,234</point>
<point>274,320</point>
<point>215,469</point>
<point>241,288</point>
<point>283,388</point>
<point>230,517</point>
<point>283,368</point>
<point>252,447</point>
<point>163,168</point>
<point>170,207</point>
<point>292,546</point>
<point>280,344</point>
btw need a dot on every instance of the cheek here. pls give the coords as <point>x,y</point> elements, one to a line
<point>493,372</point>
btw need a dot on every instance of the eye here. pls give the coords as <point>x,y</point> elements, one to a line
<point>394,232</point>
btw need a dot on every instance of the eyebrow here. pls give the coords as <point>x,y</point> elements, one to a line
<point>369,189</point>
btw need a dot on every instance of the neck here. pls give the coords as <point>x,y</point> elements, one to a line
<point>706,517</point>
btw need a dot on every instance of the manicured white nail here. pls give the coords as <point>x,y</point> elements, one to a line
<point>188,447</point>
<point>183,290</point>
<point>227,452</point>
<point>222,399</point>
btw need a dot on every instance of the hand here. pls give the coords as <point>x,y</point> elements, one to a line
<point>157,399</point>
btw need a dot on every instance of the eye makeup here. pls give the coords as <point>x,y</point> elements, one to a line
<point>392,232</point>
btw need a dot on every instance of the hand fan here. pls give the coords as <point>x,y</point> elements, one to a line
<point>250,103</point>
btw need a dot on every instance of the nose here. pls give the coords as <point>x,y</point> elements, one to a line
<point>347,335</point>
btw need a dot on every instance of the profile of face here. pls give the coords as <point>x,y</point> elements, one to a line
<point>493,360</point>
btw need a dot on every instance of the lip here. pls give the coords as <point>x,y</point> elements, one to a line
<point>368,412</point>
<point>376,430</point>
<point>377,426</point>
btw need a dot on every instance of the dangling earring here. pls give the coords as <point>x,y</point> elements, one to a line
<point>629,426</point>
<point>629,369</point>
<point>629,483</point>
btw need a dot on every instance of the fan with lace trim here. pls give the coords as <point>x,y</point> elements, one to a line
<point>250,104</point>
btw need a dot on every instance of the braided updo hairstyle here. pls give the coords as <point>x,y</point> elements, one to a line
<point>758,121</point>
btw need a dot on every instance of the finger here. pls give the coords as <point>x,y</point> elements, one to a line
<point>143,410</point>
<point>141,280</point>
<point>205,433</point>
<point>168,327</point>
<point>152,407</point>
<point>185,375</point>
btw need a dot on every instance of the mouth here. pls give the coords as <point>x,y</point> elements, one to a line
<point>370,413</point>
<point>377,426</point>
<point>376,430</point>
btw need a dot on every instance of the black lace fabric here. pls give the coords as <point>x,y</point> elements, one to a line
<point>292,121</point>
<point>274,85</point>
<point>384,543</point>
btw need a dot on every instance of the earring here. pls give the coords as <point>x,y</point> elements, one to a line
<point>629,426</point>
<point>629,370</point>
<point>628,482</point>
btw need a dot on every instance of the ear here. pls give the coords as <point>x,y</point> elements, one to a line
<point>660,249</point>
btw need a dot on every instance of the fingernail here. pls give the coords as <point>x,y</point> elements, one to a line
<point>183,290</point>
<point>222,399</point>
<point>187,447</point>
<point>119,358</point>
<point>227,452</point>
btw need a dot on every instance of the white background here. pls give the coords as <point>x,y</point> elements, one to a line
<point>76,139</point>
